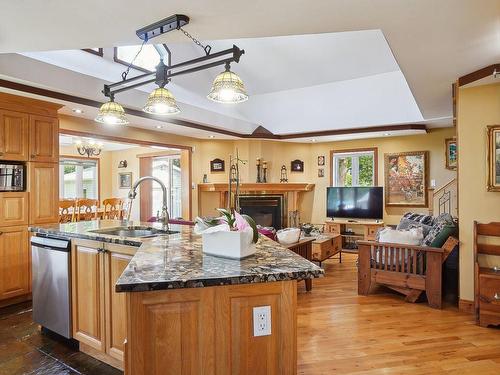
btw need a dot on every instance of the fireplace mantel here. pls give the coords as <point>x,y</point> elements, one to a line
<point>291,192</point>
<point>260,187</point>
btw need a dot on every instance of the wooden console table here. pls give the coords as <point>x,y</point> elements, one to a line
<point>338,227</point>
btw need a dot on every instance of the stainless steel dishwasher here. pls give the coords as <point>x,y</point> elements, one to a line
<point>51,265</point>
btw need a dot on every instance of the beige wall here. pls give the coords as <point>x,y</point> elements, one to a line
<point>279,153</point>
<point>477,107</point>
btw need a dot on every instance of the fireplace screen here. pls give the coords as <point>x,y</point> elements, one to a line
<point>266,210</point>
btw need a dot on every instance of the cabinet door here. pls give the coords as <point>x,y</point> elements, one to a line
<point>13,209</point>
<point>88,293</point>
<point>13,135</point>
<point>14,262</point>
<point>44,193</point>
<point>44,139</point>
<point>116,260</point>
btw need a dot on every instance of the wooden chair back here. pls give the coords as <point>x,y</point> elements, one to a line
<point>67,208</point>
<point>113,208</point>
<point>484,235</point>
<point>86,209</point>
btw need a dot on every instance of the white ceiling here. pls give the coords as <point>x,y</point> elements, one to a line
<point>360,68</point>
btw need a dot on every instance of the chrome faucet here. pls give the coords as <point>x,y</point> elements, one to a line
<point>133,192</point>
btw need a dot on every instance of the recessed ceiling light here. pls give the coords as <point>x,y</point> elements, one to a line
<point>159,126</point>
<point>211,136</point>
<point>77,110</point>
<point>387,134</point>
<point>313,140</point>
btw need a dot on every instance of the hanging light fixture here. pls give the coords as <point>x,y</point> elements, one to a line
<point>90,149</point>
<point>161,102</point>
<point>111,113</point>
<point>228,88</point>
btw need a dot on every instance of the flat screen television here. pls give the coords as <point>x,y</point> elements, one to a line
<point>355,202</point>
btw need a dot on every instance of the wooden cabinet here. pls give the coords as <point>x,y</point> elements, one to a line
<point>371,232</point>
<point>332,228</point>
<point>99,313</point>
<point>489,297</point>
<point>116,259</point>
<point>325,248</point>
<point>13,209</point>
<point>44,193</point>
<point>14,262</point>
<point>44,139</point>
<point>14,135</point>
<point>87,289</point>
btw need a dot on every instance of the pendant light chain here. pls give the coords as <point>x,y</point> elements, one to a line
<point>206,48</point>
<point>125,73</point>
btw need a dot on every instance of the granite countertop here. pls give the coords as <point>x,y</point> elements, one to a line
<point>177,261</point>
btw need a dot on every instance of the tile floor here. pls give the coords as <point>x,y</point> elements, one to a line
<point>26,350</point>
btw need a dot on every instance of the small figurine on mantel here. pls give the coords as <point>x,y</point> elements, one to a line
<point>283,176</point>
<point>261,170</point>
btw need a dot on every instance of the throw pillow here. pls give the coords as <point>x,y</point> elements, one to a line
<point>412,236</point>
<point>435,238</point>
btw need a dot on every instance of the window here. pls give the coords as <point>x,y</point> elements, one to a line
<point>168,170</point>
<point>95,51</point>
<point>78,178</point>
<point>354,168</point>
<point>148,58</point>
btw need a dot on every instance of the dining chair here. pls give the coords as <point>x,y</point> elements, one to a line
<point>86,209</point>
<point>113,208</point>
<point>67,210</point>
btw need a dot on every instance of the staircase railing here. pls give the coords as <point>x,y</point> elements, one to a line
<point>445,199</point>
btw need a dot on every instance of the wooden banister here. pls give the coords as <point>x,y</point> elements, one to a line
<point>448,184</point>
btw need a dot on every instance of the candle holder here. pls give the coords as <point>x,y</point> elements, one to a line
<point>264,169</point>
<point>283,176</point>
<point>258,170</point>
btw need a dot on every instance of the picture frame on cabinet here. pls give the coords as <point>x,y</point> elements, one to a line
<point>494,158</point>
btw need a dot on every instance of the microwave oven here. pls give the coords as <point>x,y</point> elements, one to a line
<point>12,176</point>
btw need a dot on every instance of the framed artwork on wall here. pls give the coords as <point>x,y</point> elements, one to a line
<point>451,153</point>
<point>297,166</point>
<point>406,179</point>
<point>494,158</point>
<point>321,172</point>
<point>217,165</point>
<point>125,180</point>
<point>321,161</point>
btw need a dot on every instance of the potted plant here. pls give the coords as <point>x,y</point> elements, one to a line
<point>230,236</point>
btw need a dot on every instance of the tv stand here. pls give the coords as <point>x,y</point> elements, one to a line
<point>349,237</point>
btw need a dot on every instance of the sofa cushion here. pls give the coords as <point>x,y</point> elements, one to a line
<point>419,218</point>
<point>411,236</point>
<point>440,233</point>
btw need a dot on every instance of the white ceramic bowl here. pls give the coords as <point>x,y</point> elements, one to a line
<point>288,236</point>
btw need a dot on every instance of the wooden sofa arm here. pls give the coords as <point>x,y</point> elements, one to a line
<point>369,244</point>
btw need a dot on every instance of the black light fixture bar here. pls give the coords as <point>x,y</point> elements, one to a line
<point>161,27</point>
<point>163,72</point>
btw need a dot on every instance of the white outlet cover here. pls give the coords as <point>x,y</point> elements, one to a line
<point>262,321</point>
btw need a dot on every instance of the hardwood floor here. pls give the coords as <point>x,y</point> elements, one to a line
<point>339,332</point>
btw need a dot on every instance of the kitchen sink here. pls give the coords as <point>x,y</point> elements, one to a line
<point>133,231</point>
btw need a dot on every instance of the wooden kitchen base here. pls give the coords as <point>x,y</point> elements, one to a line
<point>210,330</point>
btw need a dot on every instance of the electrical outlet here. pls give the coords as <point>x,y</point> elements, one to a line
<point>262,321</point>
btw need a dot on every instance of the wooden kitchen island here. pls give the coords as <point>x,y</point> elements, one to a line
<point>160,306</point>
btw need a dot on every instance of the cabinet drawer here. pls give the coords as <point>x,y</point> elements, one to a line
<point>332,228</point>
<point>489,292</point>
<point>371,232</point>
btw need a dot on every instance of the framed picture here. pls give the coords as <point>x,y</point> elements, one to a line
<point>406,176</point>
<point>217,165</point>
<point>321,172</point>
<point>451,153</point>
<point>125,180</point>
<point>494,158</point>
<point>297,166</point>
<point>321,161</point>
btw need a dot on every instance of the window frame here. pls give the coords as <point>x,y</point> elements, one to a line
<point>139,68</point>
<point>333,153</point>
<point>99,53</point>
<point>98,164</point>
<point>170,182</point>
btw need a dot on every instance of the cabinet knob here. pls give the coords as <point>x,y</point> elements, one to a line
<point>33,156</point>
<point>1,153</point>
<point>496,297</point>
<point>1,233</point>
